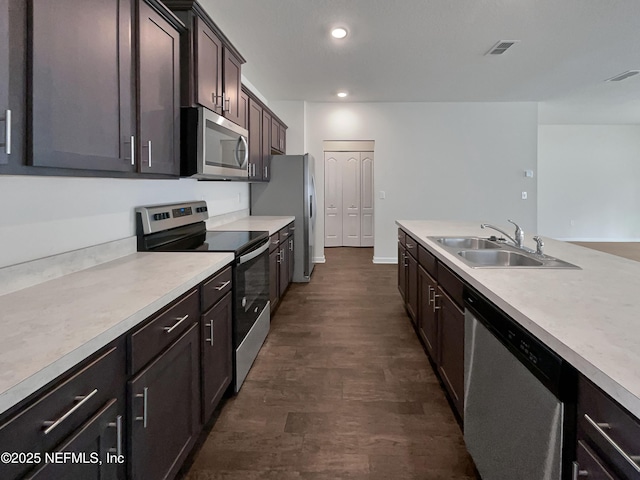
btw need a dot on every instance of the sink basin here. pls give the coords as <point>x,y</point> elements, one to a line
<point>499,258</point>
<point>472,243</point>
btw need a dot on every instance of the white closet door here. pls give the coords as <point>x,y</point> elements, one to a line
<point>351,200</point>
<point>333,199</point>
<point>366,205</point>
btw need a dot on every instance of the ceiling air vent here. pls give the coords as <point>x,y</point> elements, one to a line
<point>501,47</point>
<point>623,76</point>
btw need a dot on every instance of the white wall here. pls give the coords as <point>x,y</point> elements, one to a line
<point>457,161</point>
<point>589,182</point>
<point>44,216</point>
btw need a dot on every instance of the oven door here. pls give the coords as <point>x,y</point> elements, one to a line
<point>252,290</point>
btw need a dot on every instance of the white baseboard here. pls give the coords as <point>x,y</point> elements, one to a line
<point>321,259</point>
<point>385,260</point>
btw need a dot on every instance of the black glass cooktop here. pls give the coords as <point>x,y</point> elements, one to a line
<point>231,241</point>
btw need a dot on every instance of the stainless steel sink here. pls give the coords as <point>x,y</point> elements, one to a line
<point>498,258</point>
<point>483,253</point>
<point>473,243</point>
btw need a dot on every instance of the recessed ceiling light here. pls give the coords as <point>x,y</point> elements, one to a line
<point>342,94</point>
<point>339,32</point>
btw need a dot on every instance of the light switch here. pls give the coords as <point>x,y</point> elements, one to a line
<point>383,195</point>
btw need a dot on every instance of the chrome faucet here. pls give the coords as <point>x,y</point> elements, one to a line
<point>518,241</point>
<point>539,245</point>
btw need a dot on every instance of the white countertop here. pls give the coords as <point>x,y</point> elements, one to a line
<point>257,223</point>
<point>48,328</point>
<point>590,317</point>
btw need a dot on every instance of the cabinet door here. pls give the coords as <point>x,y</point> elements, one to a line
<point>427,318</point>
<point>274,278</point>
<point>266,146</point>
<point>275,135</point>
<point>451,334</point>
<point>208,67</point>
<point>164,403</point>
<point>80,84</point>
<point>244,110</point>
<point>159,85</point>
<point>590,466</point>
<point>216,355</point>
<point>292,253</point>
<point>284,268</point>
<point>351,201</point>
<point>255,140</point>
<point>102,435</point>
<point>402,271</point>
<point>5,132</point>
<point>283,139</point>
<point>232,79</point>
<point>412,288</point>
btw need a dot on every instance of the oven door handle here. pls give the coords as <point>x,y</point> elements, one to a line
<point>253,254</point>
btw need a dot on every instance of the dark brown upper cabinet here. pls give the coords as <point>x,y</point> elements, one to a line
<point>159,87</point>
<point>244,110</point>
<point>211,66</point>
<point>255,140</point>
<point>5,111</point>
<point>81,87</point>
<point>88,80</point>
<point>266,146</point>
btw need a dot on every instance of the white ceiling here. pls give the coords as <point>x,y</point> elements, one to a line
<point>434,50</point>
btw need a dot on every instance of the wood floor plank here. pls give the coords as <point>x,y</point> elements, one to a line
<point>342,389</point>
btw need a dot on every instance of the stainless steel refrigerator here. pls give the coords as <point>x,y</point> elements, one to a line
<point>291,192</point>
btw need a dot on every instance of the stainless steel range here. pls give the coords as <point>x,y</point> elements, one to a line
<point>181,228</point>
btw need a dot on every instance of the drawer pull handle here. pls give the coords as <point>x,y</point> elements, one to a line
<point>7,132</point>
<point>410,245</point>
<point>435,305</point>
<point>431,289</point>
<point>180,320</point>
<point>118,426</point>
<point>210,326</point>
<point>144,395</point>
<point>291,245</point>
<point>223,285</point>
<point>50,425</point>
<point>576,472</point>
<point>600,427</point>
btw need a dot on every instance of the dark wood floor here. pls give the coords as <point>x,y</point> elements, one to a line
<point>342,389</point>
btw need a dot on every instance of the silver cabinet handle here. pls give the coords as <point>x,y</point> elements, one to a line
<point>210,326</point>
<point>149,153</point>
<point>227,102</point>
<point>133,150</point>
<point>430,289</point>
<point>630,459</point>
<point>279,260</point>
<point>291,245</point>
<point>51,425</point>
<point>576,472</point>
<point>180,320</point>
<point>435,305</point>
<point>118,426</point>
<point>222,285</point>
<point>275,242</point>
<point>145,396</point>
<point>7,132</point>
<point>409,245</point>
<point>266,172</point>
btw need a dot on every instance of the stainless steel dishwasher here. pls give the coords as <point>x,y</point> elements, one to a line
<point>519,403</point>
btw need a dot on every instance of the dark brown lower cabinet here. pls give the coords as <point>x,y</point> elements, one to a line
<point>283,265</point>
<point>99,444</point>
<point>217,355</point>
<point>274,278</point>
<point>451,333</point>
<point>412,287</point>
<point>164,401</point>
<point>402,271</point>
<point>427,314</point>
<point>291,253</point>
<point>590,466</point>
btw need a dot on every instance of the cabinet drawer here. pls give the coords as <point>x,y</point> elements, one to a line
<point>451,283</point>
<point>284,234</point>
<point>150,340</point>
<point>274,241</point>
<point>53,417</point>
<point>402,237</point>
<point>216,288</point>
<point>590,466</point>
<point>609,429</point>
<point>427,261</point>
<point>412,246</point>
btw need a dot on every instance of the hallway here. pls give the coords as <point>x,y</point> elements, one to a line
<point>342,389</point>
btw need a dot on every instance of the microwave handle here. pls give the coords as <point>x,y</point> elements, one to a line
<point>243,161</point>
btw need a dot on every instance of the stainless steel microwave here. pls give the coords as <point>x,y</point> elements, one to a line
<point>212,148</point>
